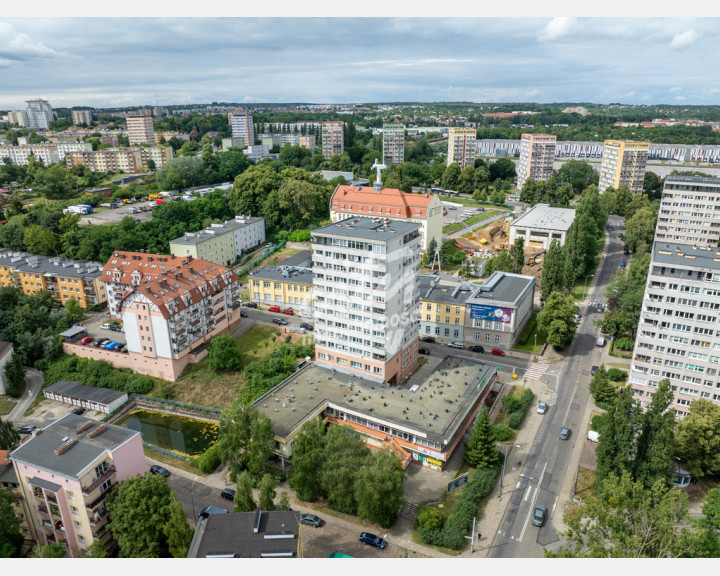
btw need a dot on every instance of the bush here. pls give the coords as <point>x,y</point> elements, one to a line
<point>98,373</point>
<point>501,432</point>
<point>516,419</point>
<point>300,236</point>
<point>429,518</point>
<point>607,406</point>
<point>598,422</point>
<point>616,374</point>
<point>624,343</point>
<point>512,403</point>
<point>208,461</point>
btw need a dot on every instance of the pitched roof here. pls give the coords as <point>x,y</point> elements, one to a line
<point>149,266</point>
<point>350,198</point>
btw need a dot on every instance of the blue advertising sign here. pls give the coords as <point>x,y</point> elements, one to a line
<point>490,313</point>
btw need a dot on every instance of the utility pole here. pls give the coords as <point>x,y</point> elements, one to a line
<point>472,537</point>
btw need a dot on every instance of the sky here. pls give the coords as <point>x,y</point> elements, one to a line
<point>113,62</point>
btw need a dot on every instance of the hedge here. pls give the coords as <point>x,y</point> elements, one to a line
<point>517,407</point>
<point>98,373</point>
<point>208,460</point>
<point>616,374</point>
<point>501,432</point>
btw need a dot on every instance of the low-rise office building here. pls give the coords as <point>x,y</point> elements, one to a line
<point>289,285</point>
<point>222,243</point>
<point>542,224</point>
<point>443,308</point>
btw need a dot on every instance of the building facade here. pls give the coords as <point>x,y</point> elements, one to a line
<point>82,117</point>
<point>64,474</point>
<point>47,153</point>
<point>376,202</point>
<point>443,308</point>
<point>366,297</point>
<point>393,143</point>
<point>18,118</point>
<point>234,142</point>
<point>9,480</point>
<point>40,114</point>
<point>537,152</point>
<point>333,142</point>
<point>241,123</point>
<point>541,225</point>
<point>140,129</point>
<point>623,164</point>
<point>689,211</point>
<point>289,285</point>
<point>128,160</point>
<point>461,147</point>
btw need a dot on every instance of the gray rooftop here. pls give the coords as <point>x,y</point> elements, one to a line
<point>544,217</point>
<point>215,230</point>
<point>502,288</point>
<point>435,410</point>
<point>83,392</point>
<point>296,269</point>
<point>432,289</point>
<point>234,535</point>
<point>39,449</point>
<point>55,266</point>
<point>375,229</point>
<point>685,255</point>
<point>692,180</point>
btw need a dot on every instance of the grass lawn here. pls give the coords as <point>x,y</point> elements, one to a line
<point>528,336</point>
<point>482,216</point>
<point>584,488</point>
<point>280,256</point>
<point>6,406</point>
<point>466,201</point>
<point>449,229</point>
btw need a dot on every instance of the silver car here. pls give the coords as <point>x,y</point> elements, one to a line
<point>542,407</point>
<point>456,345</point>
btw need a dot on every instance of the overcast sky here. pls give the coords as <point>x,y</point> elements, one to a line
<point>106,62</point>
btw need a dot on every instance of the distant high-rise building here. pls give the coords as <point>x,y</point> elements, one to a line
<point>241,122</point>
<point>140,129</point>
<point>678,222</point>
<point>82,117</point>
<point>333,143</point>
<point>393,143</point>
<point>18,118</point>
<point>40,114</point>
<point>537,153</point>
<point>623,163</point>
<point>461,147</point>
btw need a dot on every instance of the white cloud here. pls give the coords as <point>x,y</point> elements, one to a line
<point>557,28</point>
<point>15,45</point>
<point>685,39</point>
<point>680,98</point>
<point>675,89</point>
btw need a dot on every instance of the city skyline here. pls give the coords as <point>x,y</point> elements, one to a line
<point>116,62</point>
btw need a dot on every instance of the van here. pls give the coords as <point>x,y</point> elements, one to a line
<point>600,341</point>
<point>593,436</point>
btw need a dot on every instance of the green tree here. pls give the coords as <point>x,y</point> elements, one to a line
<point>518,255</point>
<point>498,197</point>
<point>267,487</point>
<point>601,388</point>
<point>223,353</point>
<point>9,437</point>
<point>283,502</point>
<point>466,182</point>
<point>252,187</point>
<point>141,507</point>
<point>502,262</point>
<point>15,373</point>
<point>578,174</point>
<point>556,320</point>
<point>697,439</point>
<point>451,177</point>
<point>553,272</point>
<point>480,448</point>
<point>640,229</point>
<point>504,168</point>
<point>11,538</point>
<point>97,550</point>
<point>622,199</point>
<point>656,441</point>
<point>616,451</point>
<point>308,462</point>
<point>178,532</point>
<point>344,457</point>
<point>706,539</point>
<point>379,488</point>
<point>626,519</point>
<point>73,310</point>
<point>245,437</point>
<point>52,550</point>
<point>151,164</point>
<point>243,501</point>
<point>432,246</point>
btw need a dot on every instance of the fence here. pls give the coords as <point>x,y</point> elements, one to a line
<point>161,403</point>
<point>262,257</point>
<point>164,452</point>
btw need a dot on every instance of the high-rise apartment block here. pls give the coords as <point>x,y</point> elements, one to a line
<point>537,152</point>
<point>393,143</point>
<point>333,143</point>
<point>18,118</point>
<point>82,117</point>
<point>140,129</point>
<point>689,211</point>
<point>461,147</point>
<point>366,297</point>
<point>623,164</point>
<point>40,114</point>
<point>241,122</point>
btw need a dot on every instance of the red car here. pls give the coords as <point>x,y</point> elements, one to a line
<point>86,340</point>
<point>274,309</point>
<point>288,311</point>
<point>497,352</point>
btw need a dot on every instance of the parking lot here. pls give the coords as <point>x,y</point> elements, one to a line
<point>115,215</point>
<point>456,213</point>
<point>92,326</point>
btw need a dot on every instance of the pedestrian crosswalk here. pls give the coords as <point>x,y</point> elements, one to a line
<point>536,371</point>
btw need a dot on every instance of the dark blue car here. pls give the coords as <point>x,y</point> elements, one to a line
<point>372,540</point>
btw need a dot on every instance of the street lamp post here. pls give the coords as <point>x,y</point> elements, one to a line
<point>585,287</point>
<point>507,447</point>
<point>192,498</point>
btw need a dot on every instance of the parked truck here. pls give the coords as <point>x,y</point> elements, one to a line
<point>78,209</point>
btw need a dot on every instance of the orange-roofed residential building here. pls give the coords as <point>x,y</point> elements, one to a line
<point>377,202</point>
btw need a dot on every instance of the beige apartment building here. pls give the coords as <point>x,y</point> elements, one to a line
<point>333,143</point>
<point>82,117</point>
<point>128,160</point>
<point>461,147</point>
<point>393,143</point>
<point>140,129</point>
<point>623,164</point>
<point>537,153</point>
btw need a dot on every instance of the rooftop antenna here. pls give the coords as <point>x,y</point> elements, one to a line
<point>436,257</point>
<point>378,181</point>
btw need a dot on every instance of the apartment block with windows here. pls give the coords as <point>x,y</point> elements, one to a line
<point>366,297</point>
<point>64,473</point>
<point>241,123</point>
<point>81,117</point>
<point>537,152</point>
<point>461,147</point>
<point>39,113</point>
<point>128,160</point>
<point>333,143</point>
<point>289,285</point>
<point>393,143</point>
<point>140,129</point>
<point>623,164</point>
<point>677,336</point>
<point>9,480</point>
<point>46,153</point>
<point>443,307</point>
<point>689,211</point>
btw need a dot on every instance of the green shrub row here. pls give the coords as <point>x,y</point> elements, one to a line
<point>98,373</point>
<point>501,432</point>
<point>624,343</point>
<point>616,374</point>
<point>517,407</point>
<point>208,460</point>
<point>528,331</point>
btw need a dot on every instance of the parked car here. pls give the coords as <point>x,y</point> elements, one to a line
<point>539,515</point>
<point>288,311</point>
<point>155,469</point>
<point>542,407</point>
<point>115,328</point>
<point>306,326</point>
<point>423,351</point>
<point>27,429</point>
<point>600,341</point>
<point>251,305</point>
<point>428,339</point>
<point>564,433</point>
<point>622,264</point>
<point>106,326</point>
<point>243,314</point>
<point>279,321</point>
<point>311,520</point>
<point>456,345</point>
<point>113,345</point>
<point>123,349</point>
<point>620,235</point>
<point>593,370</point>
<point>305,315</point>
<point>101,342</point>
<point>78,411</point>
<point>626,252</point>
<point>86,340</point>
<point>476,349</point>
<point>497,352</point>
<point>228,494</point>
<point>372,540</point>
<point>274,309</point>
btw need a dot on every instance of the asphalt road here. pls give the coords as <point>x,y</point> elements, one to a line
<point>547,463</point>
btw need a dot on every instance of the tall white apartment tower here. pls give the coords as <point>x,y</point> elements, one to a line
<point>40,114</point>
<point>241,122</point>
<point>689,211</point>
<point>333,143</point>
<point>393,143</point>
<point>461,147</point>
<point>366,297</point>
<point>140,129</point>
<point>623,163</point>
<point>537,153</point>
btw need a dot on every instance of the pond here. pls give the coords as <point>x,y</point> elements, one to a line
<point>177,433</point>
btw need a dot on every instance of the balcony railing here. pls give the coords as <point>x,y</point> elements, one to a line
<point>99,480</point>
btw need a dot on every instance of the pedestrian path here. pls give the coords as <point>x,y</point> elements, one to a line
<point>536,371</point>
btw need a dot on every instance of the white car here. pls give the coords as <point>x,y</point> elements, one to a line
<point>542,407</point>
<point>304,315</point>
<point>105,326</point>
<point>456,345</point>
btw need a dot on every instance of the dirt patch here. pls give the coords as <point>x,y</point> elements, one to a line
<point>588,458</point>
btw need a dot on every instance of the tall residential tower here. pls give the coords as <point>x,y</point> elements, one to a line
<point>393,143</point>
<point>623,164</point>
<point>140,129</point>
<point>241,122</point>
<point>333,143</point>
<point>461,147</point>
<point>40,114</point>
<point>537,152</point>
